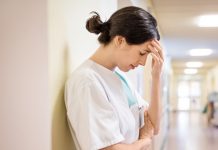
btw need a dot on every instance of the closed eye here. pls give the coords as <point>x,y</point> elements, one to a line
<point>144,52</point>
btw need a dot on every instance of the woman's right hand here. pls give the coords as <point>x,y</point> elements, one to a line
<point>147,131</point>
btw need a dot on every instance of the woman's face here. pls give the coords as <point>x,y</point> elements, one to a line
<point>131,56</point>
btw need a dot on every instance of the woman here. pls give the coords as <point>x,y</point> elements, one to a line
<point>103,110</point>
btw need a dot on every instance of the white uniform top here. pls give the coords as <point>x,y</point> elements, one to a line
<point>98,111</point>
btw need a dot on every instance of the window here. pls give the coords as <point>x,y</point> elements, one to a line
<point>189,93</point>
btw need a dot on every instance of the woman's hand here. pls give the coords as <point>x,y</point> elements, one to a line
<point>147,131</point>
<point>157,58</point>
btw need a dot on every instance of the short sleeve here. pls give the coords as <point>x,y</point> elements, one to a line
<point>93,118</point>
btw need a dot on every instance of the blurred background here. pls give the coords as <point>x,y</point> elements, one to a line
<point>43,41</point>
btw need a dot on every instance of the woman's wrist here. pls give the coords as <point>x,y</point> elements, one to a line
<point>142,137</point>
<point>156,78</point>
<point>146,141</point>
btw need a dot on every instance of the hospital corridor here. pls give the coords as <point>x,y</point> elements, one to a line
<point>42,42</point>
<point>189,130</point>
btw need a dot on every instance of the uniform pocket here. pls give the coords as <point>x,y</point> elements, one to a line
<point>138,113</point>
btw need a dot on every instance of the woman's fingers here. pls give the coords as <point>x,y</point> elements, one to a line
<point>153,50</point>
<point>157,57</point>
<point>158,48</point>
<point>157,51</point>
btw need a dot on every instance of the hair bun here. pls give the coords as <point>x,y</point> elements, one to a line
<point>94,24</point>
<point>105,26</point>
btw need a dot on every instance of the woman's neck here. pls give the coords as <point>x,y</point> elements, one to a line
<point>104,56</point>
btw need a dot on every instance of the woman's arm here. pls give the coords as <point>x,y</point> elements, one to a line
<point>141,144</point>
<point>145,135</point>
<point>154,110</point>
<point>147,130</point>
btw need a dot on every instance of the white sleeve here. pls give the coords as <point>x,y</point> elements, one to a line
<point>93,118</point>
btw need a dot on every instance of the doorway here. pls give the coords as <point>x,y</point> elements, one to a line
<point>189,95</point>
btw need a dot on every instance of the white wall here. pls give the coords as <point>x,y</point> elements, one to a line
<point>82,43</point>
<point>24,98</point>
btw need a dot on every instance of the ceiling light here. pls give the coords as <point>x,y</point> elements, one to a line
<point>190,71</point>
<point>208,21</point>
<point>200,52</point>
<point>194,64</point>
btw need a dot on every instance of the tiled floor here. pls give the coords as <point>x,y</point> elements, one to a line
<point>189,131</point>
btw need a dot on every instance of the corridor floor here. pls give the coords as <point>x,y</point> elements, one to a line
<point>190,131</point>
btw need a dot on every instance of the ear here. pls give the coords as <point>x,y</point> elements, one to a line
<point>119,40</point>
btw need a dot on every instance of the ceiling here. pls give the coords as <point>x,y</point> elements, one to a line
<point>176,19</point>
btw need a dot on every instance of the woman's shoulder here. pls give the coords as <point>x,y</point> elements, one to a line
<point>82,73</point>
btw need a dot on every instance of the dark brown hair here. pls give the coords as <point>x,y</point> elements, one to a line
<point>133,23</point>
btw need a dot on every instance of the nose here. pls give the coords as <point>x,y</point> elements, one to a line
<point>142,60</point>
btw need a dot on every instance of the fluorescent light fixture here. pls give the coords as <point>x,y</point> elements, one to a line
<point>194,64</point>
<point>190,71</point>
<point>208,21</point>
<point>200,52</point>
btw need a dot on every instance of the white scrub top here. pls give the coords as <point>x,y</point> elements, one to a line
<point>100,111</point>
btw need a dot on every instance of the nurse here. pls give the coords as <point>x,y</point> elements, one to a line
<point>103,110</point>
